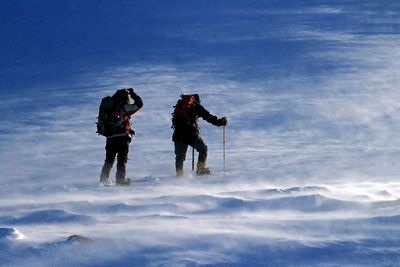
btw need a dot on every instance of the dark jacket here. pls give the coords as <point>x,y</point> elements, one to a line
<point>187,132</point>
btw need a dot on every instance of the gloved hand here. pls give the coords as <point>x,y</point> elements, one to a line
<point>130,90</point>
<point>223,121</point>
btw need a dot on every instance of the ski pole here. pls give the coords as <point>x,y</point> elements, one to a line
<point>192,159</point>
<point>224,149</point>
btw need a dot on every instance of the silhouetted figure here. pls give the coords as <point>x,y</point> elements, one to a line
<point>186,131</point>
<point>113,122</point>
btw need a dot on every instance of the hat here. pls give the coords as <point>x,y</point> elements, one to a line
<point>197,98</point>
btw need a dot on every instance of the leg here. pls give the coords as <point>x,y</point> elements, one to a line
<point>180,156</point>
<point>109,161</point>
<point>202,148</point>
<point>122,158</point>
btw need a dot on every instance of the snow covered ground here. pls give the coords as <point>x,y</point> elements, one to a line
<point>311,92</point>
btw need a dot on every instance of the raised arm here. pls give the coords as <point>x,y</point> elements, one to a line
<point>136,98</point>
<point>138,103</point>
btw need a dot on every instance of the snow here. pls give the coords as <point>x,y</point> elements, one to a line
<point>310,90</point>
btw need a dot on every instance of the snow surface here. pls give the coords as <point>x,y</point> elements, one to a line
<point>310,89</point>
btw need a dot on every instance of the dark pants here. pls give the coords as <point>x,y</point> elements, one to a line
<point>116,146</point>
<point>181,149</point>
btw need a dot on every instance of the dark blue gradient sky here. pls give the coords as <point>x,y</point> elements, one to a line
<point>46,42</point>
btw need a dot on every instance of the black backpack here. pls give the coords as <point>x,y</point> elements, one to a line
<point>108,121</point>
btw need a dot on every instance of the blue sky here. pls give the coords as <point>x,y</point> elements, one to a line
<point>45,41</point>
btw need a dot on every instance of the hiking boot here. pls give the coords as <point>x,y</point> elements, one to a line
<point>103,180</point>
<point>179,173</point>
<point>104,176</point>
<point>125,181</point>
<point>202,169</point>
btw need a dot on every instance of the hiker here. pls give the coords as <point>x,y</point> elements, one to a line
<point>113,122</point>
<point>186,131</point>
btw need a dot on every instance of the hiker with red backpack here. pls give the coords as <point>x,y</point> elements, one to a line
<point>114,123</point>
<point>186,131</point>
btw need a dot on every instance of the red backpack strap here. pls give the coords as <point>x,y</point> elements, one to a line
<point>183,104</point>
<point>188,99</point>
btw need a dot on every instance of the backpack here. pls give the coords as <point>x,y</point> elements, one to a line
<point>108,121</point>
<point>181,109</point>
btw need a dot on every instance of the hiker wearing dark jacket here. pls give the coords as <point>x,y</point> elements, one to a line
<point>186,133</point>
<point>118,143</point>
